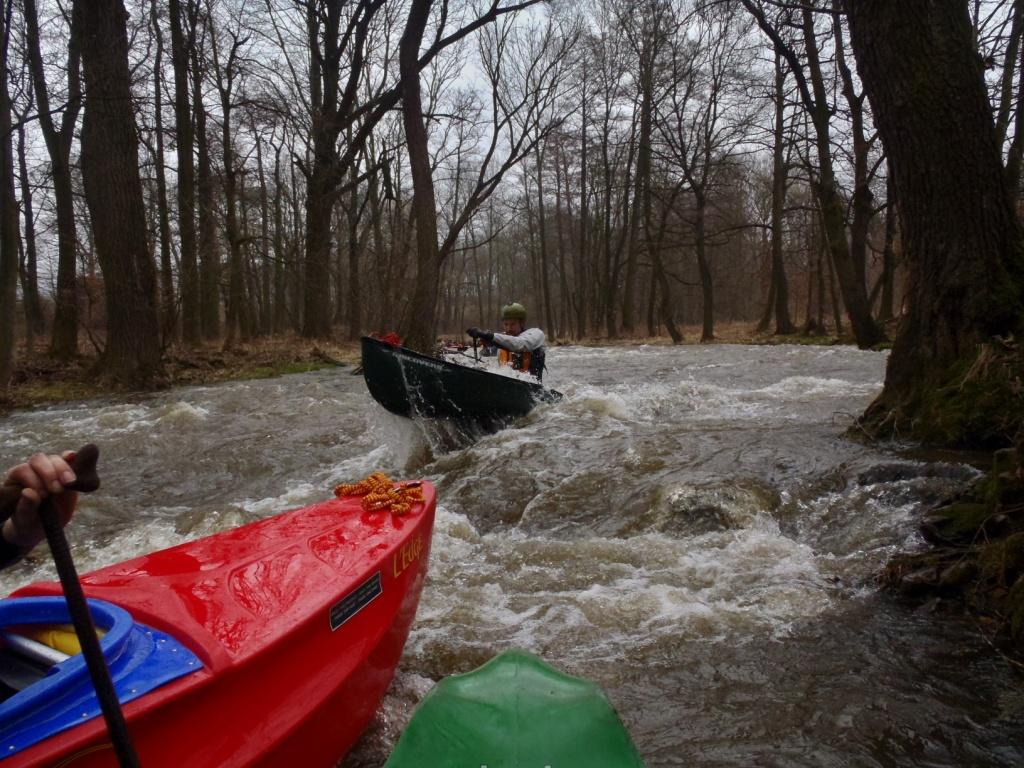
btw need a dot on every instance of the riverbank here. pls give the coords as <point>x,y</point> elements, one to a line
<point>39,380</point>
<point>975,561</point>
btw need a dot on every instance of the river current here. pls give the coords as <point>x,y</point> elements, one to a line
<point>688,527</point>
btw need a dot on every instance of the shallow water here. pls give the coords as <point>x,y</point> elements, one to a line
<point>688,527</point>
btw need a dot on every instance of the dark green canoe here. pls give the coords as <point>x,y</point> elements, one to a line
<point>411,384</point>
<point>515,712</point>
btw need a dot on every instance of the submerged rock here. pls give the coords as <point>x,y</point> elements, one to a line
<point>695,510</point>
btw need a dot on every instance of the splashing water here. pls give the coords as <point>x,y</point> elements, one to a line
<point>688,527</point>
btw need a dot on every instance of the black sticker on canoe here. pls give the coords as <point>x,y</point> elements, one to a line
<point>355,601</point>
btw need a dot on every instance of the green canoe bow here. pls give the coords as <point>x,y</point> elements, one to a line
<point>515,712</point>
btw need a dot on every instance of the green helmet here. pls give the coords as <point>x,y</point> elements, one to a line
<point>513,311</point>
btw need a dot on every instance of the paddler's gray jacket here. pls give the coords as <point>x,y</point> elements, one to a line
<point>527,341</point>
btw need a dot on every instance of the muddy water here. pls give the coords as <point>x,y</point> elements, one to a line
<point>688,527</point>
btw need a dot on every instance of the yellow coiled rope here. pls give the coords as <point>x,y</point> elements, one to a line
<point>379,492</point>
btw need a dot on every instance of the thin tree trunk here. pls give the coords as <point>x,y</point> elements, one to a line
<point>652,325</point>
<point>34,319</point>
<point>888,278</point>
<point>837,309</point>
<point>297,277</point>
<point>642,184</point>
<point>707,287</point>
<point>563,290</point>
<point>209,250</point>
<point>583,253</point>
<point>813,257</point>
<point>1016,152</point>
<point>9,234</point>
<point>64,342</point>
<point>780,183</point>
<point>280,308</point>
<point>168,310</point>
<point>181,46</point>
<point>265,324</point>
<point>234,320</point>
<point>1011,70</point>
<point>545,273</point>
<point>354,309</point>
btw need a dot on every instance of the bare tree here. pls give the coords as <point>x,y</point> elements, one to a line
<point>423,308</point>
<point>706,118</point>
<point>64,343</point>
<point>182,42</point>
<point>8,207</point>
<point>814,96</point>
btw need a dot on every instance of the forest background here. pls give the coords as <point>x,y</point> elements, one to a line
<point>198,174</point>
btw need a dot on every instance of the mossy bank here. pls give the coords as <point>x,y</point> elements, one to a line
<point>976,562</point>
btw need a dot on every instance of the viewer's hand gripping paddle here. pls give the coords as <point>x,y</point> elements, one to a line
<point>84,467</point>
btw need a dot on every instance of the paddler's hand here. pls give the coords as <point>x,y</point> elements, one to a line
<point>39,477</point>
<point>476,333</point>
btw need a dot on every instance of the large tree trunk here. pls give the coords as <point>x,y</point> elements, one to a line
<point>113,192</point>
<point>960,236</point>
<point>64,343</point>
<point>419,331</point>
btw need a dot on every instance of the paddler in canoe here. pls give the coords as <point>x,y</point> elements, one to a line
<point>39,477</point>
<point>520,347</point>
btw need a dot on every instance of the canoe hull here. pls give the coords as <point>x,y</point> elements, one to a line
<point>515,712</point>
<point>414,385</point>
<point>299,633</point>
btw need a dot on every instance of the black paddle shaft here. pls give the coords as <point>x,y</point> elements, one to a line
<point>84,467</point>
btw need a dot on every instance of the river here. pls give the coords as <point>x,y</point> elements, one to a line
<point>688,527</point>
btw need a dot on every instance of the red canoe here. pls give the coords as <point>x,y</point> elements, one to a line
<point>297,621</point>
